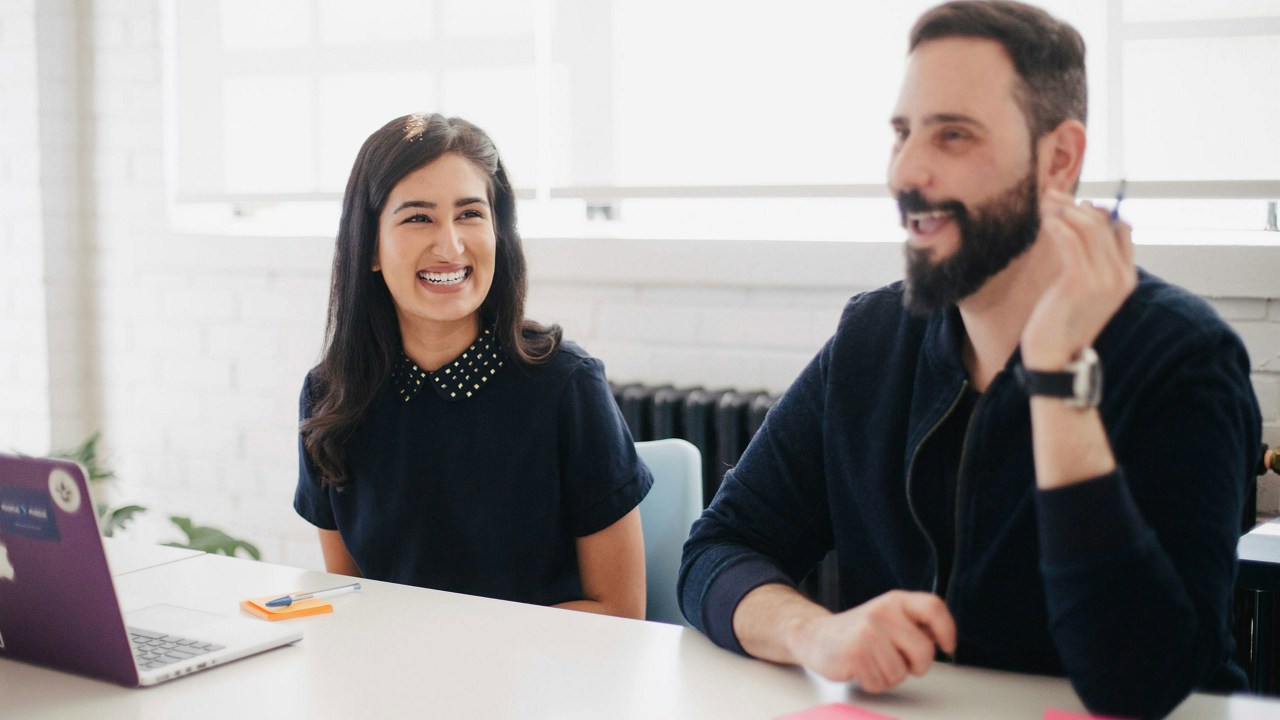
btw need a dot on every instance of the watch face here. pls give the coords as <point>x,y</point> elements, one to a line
<point>1088,380</point>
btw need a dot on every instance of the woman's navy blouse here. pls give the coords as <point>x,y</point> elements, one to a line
<point>478,477</point>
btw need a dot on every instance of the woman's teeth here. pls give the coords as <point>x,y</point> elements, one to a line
<point>448,278</point>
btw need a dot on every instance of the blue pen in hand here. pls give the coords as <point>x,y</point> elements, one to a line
<point>1115,210</point>
<point>288,600</point>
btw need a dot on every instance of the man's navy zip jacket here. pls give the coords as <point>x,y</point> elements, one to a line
<point>1123,583</point>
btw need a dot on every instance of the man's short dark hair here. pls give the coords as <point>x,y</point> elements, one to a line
<point>1047,54</point>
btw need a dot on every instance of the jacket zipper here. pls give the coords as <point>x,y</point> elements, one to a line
<point>911,466</point>
<point>964,453</point>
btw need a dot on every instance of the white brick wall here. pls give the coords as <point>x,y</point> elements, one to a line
<point>1262,338</point>
<point>196,346</point>
<point>25,407</point>
<point>69,329</point>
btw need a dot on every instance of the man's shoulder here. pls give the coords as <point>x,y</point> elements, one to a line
<point>1159,305</point>
<point>878,313</point>
<point>875,306</point>
<point>1162,328</point>
<point>878,335</point>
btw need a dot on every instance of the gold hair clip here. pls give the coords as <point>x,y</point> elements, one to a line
<point>415,126</point>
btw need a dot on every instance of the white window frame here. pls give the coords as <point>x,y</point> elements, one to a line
<point>190,212</point>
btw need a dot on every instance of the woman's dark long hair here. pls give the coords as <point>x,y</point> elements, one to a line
<point>362,337</point>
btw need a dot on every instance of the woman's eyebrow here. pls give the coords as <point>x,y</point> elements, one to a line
<point>414,204</point>
<point>428,205</point>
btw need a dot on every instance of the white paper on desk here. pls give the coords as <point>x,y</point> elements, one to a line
<point>1271,528</point>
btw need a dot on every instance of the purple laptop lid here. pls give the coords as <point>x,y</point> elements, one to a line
<point>58,605</point>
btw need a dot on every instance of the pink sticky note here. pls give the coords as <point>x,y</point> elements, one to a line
<point>1052,714</point>
<point>835,711</point>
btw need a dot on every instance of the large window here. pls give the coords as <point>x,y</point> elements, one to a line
<point>692,118</point>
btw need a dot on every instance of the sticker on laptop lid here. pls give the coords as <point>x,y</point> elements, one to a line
<point>6,567</point>
<point>28,513</point>
<point>64,490</point>
<point>6,573</point>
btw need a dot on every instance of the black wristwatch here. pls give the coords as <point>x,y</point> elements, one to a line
<point>1080,384</point>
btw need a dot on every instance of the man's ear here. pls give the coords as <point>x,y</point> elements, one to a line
<point>1061,153</point>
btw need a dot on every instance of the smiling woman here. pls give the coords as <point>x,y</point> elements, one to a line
<point>446,441</point>
<point>436,252</point>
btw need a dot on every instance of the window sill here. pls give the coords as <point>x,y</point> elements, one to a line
<point>1246,269</point>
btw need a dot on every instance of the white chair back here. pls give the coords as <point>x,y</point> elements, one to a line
<point>667,512</point>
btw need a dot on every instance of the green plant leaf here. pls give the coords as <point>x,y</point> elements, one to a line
<point>119,518</point>
<point>88,456</point>
<point>86,453</point>
<point>202,538</point>
<point>211,540</point>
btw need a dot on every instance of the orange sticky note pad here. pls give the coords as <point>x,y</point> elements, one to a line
<point>835,711</point>
<point>302,608</point>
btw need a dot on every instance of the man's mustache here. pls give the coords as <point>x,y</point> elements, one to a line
<point>912,201</point>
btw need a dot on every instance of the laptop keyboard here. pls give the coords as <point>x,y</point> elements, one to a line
<point>153,649</point>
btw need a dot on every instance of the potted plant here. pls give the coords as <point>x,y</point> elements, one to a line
<point>111,519</point>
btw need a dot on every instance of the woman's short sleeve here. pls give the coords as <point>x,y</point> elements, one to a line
<point>602,477</point>
<point>310,500</point>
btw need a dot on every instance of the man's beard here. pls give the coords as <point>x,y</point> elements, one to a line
<point>991,236</point>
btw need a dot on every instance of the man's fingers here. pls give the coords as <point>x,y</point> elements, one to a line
<point>1124,239</point>
<point>1053,201</point>
<point>1070,250</point>
<point>893,668</point>
<point>1087,224</point>
<point>869,675</point>
<point>929,612</point>
<point>910,644</point>
<point>884,640</point>
<point>914,642</point>
<point>917,650</point>
<point>1099,235</point>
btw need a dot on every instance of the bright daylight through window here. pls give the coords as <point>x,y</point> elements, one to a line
<point>693,118</point>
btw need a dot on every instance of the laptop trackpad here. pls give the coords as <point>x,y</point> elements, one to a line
<point>172,619</point>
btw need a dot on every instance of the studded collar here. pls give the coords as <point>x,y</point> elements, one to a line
<point>456,380</point>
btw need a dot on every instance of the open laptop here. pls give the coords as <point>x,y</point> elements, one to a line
<point>58,605</point>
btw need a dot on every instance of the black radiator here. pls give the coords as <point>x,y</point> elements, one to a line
<point>719,423</point>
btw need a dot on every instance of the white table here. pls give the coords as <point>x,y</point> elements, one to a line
<point>397,651</point>
<point>125,556</point>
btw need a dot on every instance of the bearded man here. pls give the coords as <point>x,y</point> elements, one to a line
<point>953,442</point>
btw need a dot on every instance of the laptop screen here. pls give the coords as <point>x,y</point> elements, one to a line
<point>58,604</point>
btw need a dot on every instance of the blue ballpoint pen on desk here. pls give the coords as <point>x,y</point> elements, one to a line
<point>288,600</point>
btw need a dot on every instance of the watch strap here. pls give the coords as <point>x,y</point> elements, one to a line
<point>1080,384</point>
<point>1050,384</point>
